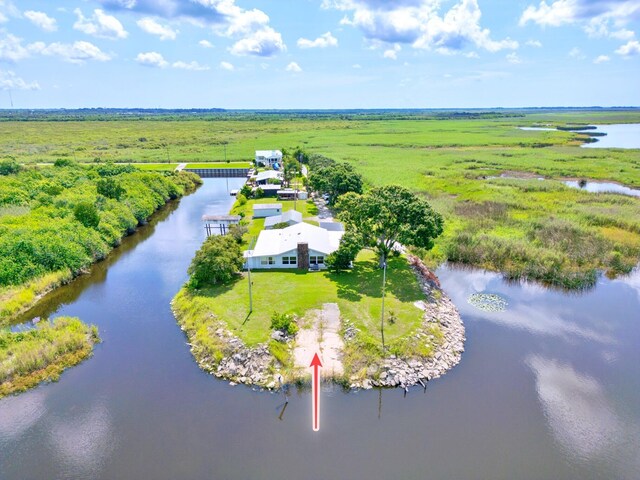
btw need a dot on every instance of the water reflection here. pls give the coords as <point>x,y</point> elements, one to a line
<point>85,440</point>
<point>576,408</point>
<point>21,413</point>
<point>523,311</point>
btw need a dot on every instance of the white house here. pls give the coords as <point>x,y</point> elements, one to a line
<point>264,210</point>
<point>290,217</point>
<point>298,246</point>
<point>268,157</point>
<point>263,178</point>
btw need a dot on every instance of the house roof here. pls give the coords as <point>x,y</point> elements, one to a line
<point>268,153</point>
<point>332,226</point>
<point>289,216</point>
<point>221,218</point>
<point>266,175</point>
<point>266,206</point>
<point>277,242</point>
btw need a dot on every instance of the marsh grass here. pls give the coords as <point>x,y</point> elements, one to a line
<point>42,354</point>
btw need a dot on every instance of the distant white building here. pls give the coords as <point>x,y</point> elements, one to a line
<point>264,210</point>
<point>298,246</point>
<point>267,158</point>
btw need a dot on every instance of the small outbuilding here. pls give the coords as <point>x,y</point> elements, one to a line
<point>289,218</point>
<point>289,194</point>
<point>264,210</point>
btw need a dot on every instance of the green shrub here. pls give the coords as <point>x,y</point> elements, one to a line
<point>87,214</point>
<point>8,167</point>
<point>218,261</point>
<point>284,322</point>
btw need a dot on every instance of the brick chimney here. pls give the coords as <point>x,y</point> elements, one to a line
<point>303,255</point>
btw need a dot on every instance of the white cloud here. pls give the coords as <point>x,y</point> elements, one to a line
<point>227,66</point>
<point>418,22</point>
<point>392,53</point>
<point>293,67</point>
<point>76,52</point>
<point>596,17</point>
<point>533,43</point>
<point>8,9</point>
<point>262,43</point>
<point>629,49</point>
<point>152,59</point>
<point>250,28</point>
<point>575,52</point>
<point>150,26</point>
<point>100,25</point>
<point>601,59</point>
<point>323,41</point>
<point>513,58</point>
<point>205,44</point>
<point>356,65</point>
<point>193,66</point>
<point>42,20</point>
<point>11,48</point>
<point>10,81</point>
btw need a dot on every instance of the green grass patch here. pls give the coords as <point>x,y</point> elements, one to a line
<point>357,293</point>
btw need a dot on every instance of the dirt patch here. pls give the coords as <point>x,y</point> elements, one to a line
<point>322,337</point>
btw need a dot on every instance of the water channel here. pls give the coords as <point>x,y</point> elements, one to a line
<point>548,389</point>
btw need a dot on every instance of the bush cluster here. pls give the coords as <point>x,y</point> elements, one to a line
<point>71,223</point>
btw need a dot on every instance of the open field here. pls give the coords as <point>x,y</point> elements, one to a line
<point>525,228</point>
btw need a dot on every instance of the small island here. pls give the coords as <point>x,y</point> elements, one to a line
<point>350,291</point>
<point>41,354</point>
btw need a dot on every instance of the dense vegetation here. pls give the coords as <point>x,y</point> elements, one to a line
<point>521,226</point>
<point>56,221</point>
<point>42,354</point>
<point>218,261</point>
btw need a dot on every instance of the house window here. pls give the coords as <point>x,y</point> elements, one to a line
<point>289,261</point>
<point>267,261</point>
<point>316,260</point>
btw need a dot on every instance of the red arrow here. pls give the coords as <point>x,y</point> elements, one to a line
<point>315,386</point>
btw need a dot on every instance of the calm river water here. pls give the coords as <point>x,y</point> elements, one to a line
<point>549,389</point>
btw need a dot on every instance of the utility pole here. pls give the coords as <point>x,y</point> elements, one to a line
<point>384,282</point>
<point>249,275</point>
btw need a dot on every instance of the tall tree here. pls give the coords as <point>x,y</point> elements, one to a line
<point>336,179</point>
<point>390,215</point>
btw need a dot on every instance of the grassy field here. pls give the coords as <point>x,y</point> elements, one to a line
<point>357,293</point>
<point>42,354</point>
<point>525,228</point>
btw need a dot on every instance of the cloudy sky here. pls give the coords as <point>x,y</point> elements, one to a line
<point>319,53</point>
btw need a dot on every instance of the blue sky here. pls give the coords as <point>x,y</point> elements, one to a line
<point>319,53</point>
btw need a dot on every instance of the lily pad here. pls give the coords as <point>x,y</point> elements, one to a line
<point>488,302</point>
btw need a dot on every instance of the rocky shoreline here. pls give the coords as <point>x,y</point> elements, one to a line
<point>256,366</point>
<point>439,310</point>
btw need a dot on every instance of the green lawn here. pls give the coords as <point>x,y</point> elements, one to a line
<point>357,292</point>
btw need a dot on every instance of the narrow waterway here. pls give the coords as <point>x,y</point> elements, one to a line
<point>548,389</point>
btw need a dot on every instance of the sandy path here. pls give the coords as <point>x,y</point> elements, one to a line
<point>324,338</point>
